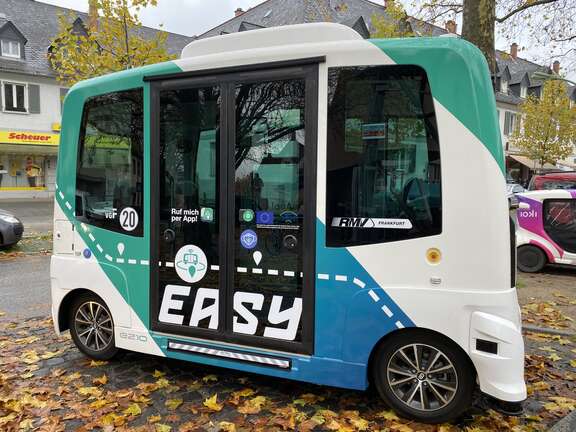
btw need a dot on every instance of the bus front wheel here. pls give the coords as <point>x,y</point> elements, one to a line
<point>92,327</point>
<point>423,376</point>
<point>531,259</point>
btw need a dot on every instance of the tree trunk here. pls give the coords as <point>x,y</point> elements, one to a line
<point>478,21</point>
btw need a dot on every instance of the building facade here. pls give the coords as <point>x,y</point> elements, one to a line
<point>31,96</point>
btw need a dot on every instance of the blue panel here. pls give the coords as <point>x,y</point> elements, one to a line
<point>350,318</point>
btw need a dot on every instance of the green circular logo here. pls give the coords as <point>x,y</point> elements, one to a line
<point>248,215</point>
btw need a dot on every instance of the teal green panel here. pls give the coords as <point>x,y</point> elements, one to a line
<point>129,272</point>
<point>460,80</point>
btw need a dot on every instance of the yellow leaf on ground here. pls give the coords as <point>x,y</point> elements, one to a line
<point>252,406</point>
<point>227,426</point>
<point>30,357</point>
<point>573,363</point>
<point>133,410</point>
<point>26,424</point>
<point>72,377</point>
<point>162,427</point>
<point>173,404</point>
<point>158,374</point>
<point>554,357</point>
<point>100,380</point>
<point>162,383</point>
<point>6,419</point>
<point>109,419</point>
<point>51,354</point>
<point>387,415</point>
<point>154,419</point>
<point>100,403</point>
<point>400,427</point>
<point>90,391</point>
<point>212,403</point>
<point>96,363</point>
<point>210,378</point>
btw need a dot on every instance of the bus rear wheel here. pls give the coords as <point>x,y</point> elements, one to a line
<point>423,377</point>
<point>92,327</point>
<point>531,259</point>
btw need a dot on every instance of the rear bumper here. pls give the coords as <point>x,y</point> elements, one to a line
<point>500,373</point>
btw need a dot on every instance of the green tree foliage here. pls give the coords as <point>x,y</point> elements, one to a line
<point>394,24</point>
<point>549,125</point>
<point>110,42</point>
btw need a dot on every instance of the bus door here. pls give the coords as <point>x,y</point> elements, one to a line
<point>233,206</point>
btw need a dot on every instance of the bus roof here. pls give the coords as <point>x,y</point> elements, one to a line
<point>271,37</point>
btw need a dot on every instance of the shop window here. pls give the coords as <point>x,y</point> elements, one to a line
<point>15,97</point>
<point>10,48</point>
<point>383,159</point>
<point>109,182</point>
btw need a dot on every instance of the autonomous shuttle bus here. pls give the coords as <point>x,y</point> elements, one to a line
<point>296,202</point>
<point>546,234</point>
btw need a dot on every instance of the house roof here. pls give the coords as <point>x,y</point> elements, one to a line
<point>274,13</point>
<point>38,22</point>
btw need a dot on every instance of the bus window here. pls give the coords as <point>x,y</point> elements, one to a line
<point>190,211</point>
<point>110,163</point>
<point>383,158</point>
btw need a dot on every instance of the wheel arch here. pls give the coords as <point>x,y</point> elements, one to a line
<point>415,330</point>
<point>536,244</point>
<point>64,308</point>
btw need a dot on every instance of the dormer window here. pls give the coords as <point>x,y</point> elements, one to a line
<point>523,91</point>
<point>10,48</point>
<point>504,86</point>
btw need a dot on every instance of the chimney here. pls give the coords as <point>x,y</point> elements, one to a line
<point>556,67</point>
<point>450,26</point>
<point>238,12</point>
<point>92,15</point>
<point>514,50</point>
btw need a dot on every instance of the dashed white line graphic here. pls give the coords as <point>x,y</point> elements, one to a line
<point>272,272</point>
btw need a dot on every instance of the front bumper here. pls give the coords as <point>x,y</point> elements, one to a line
<point>500,373</point>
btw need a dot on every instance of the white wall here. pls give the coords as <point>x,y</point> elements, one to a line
<point>502,108</point>
<point>49,105</point>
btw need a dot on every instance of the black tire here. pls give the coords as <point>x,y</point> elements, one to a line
<point>101,345</point>
<point>531,259</point>
<point>460,375</point>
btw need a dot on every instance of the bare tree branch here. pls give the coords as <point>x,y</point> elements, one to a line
<point>525,6</point>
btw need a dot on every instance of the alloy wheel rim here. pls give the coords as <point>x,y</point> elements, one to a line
<point>422,377</point>
<point>94,326</point>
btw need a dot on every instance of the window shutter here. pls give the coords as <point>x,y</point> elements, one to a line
<point>506,122</point>
<point>33,99</point>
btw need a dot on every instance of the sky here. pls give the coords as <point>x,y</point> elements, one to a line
<point>192,17</point>
<point>188,17</point>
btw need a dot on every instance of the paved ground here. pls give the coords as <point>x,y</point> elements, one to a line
<point>47,385</point>
<point>35,214</point>
<point>25,286</point>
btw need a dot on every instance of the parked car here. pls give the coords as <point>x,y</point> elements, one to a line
<point>546,233</point>
<point>511,190</point>
<point>553,180</point>
<point>11,229</point>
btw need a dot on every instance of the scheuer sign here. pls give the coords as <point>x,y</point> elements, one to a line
<point>358,222</point>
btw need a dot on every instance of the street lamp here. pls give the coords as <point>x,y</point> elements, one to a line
<point>546,76</point>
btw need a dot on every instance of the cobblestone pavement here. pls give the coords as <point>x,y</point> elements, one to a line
<point>47,385</point>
